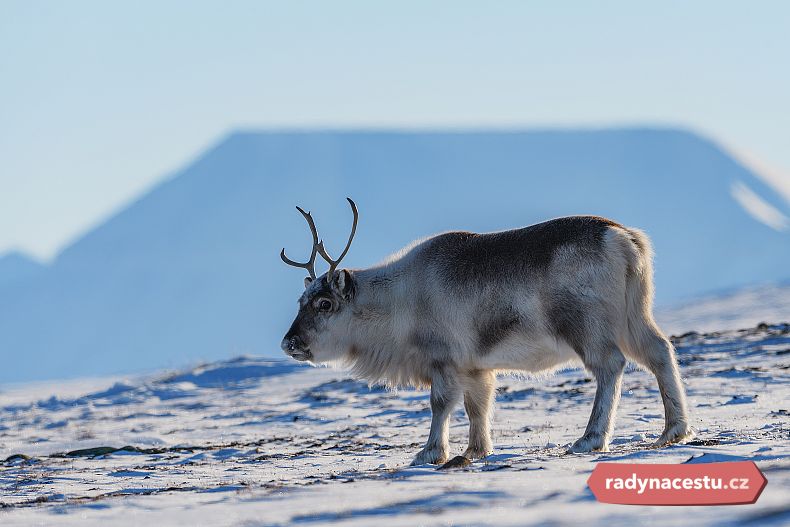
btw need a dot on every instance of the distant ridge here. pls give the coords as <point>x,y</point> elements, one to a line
<point>737,309</point>
<point>16,268</point>
<point>190,270</point>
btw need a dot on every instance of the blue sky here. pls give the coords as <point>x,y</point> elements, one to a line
<point>99,100</point>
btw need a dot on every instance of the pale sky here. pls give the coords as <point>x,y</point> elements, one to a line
<point>99,100</point>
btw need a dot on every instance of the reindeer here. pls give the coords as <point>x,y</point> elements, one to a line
<point>451,311</point>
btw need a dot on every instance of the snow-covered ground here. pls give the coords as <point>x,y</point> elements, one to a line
<point>741,308</point>
<point>261,442</point>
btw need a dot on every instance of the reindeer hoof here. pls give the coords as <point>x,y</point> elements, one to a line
<point>589,443</point>
<point>677,433</point>
<point>430,455</point>
<point>477,453</point>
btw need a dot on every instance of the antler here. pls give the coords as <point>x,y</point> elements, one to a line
<point>309,264</point>
<point>318,245</point>
<point>322,250</point>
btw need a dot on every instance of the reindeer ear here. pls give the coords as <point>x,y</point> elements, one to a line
<point>307,281</point>
<point>343,283</point>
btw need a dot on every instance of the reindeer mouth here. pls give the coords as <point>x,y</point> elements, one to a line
<point>300,355</point>
<point>296,351</point>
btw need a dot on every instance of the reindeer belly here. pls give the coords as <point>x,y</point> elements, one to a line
<point>525,352</point>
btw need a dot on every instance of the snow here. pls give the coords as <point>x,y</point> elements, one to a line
<point>267,442</point>
<point>741,308</point>
<point>17,268</point>
<point>759,208</point>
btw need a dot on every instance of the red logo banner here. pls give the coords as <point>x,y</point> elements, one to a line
<point>729,483</point>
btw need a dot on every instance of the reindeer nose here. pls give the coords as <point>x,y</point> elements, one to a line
<point>291,343</point>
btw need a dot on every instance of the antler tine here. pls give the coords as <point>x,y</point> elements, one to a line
<point>309,264</point>
<point>311,224</point>
<point>322,250</point>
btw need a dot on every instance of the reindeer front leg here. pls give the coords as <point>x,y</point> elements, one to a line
<point>445,395</point>
<point>478,399</point>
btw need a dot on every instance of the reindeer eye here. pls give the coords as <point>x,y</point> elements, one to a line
<point>324,305</point>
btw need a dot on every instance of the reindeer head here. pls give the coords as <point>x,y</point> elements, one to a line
<point>324,307</point>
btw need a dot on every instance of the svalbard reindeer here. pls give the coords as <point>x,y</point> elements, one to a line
<point>452,310</point>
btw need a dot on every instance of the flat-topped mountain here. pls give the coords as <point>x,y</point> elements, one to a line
<point>191,270</point>
<point>16,268</point>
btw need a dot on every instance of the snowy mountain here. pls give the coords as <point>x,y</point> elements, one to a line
<point>191,271</point>
<point>741,308</point>
<point>17,268</point>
